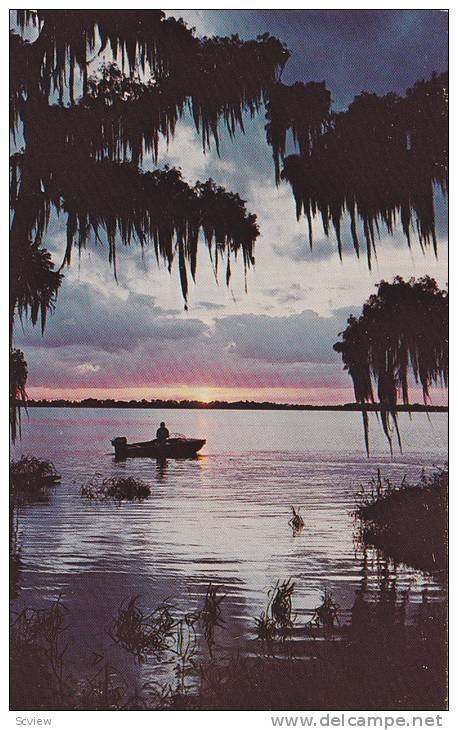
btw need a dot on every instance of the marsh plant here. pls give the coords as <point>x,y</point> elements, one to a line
<point>407,521</point>
<point>296,522</point>
<point>277,620</point>
<point>167,635</point>
<point>31,479</point>
<point>326,615</point>
<point>382,660</point>
<point>38,651</point>
<point>144,634</point>
<point>116,489</point>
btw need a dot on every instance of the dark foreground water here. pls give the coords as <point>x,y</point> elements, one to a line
<point>221,518</point>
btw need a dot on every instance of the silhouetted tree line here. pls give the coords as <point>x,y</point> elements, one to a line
<point>156,403</point>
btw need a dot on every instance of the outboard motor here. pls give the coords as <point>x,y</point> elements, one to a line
<point>119,443</point>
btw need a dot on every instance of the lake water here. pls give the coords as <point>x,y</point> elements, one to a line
<point>220,518</point>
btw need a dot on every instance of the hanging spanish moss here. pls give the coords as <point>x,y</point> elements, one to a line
<point>377,163</point>
<point>34,284</point>
<point>215,78</point>
<point>116,201</point>
<point>304,109</point>
<point>72,149</point>
<point>85,138</point>
<point>402,332</point>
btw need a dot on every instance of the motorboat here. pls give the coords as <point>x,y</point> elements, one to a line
<point>175,447</point>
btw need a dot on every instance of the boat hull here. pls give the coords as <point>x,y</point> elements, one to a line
<point>171,449</point>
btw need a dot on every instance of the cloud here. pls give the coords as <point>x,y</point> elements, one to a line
<point>87,367</point>
<point>299,338</point>
<point>240,350</point>
<point>85,318</point>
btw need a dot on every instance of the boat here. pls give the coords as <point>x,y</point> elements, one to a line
<point>175,447</point>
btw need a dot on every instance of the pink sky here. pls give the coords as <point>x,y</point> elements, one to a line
<point>312,396</point>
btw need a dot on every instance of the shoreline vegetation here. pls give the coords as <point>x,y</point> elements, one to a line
<point>408,522</point>
<point>224,405</point>
<point>379,661</point>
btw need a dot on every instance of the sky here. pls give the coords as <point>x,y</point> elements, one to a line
<point>133,339</point>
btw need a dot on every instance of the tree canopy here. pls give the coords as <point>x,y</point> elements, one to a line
<point>378,162</point>
<point>83,151</point>
<point>84,138</point>
<point>403,329</point>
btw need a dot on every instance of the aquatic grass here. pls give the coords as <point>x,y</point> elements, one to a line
<point>296,522</point>
<point>381,661</point>
<point>144,634</point>
<point>105,691</point>
<point>210,615</point>
<point>278,619</point>
<point>266,629</point>
<point>166,635</point>
<point>37,655</point>
<point>31,478</point>
<point>185,649</point>
<point>41,675</point>
<point>407,521</point>
<point>117,489</point>
<point>326,615</point>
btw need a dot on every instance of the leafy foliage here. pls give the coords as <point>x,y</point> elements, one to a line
<point>34,284</point>
<point>403,329</point>
<point>304,109</point>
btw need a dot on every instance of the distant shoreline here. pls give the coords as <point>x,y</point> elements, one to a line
<point>224,405</point>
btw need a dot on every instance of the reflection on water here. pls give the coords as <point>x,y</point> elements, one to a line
<point>221,518</point>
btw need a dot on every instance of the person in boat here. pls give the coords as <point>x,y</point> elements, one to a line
<point>162,433</point>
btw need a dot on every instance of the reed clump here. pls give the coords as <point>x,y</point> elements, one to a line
<point>296,522</point>
<point>144,634</point>
<point>37,655</point>
<point>277,620</point>
<point>210,615</point>
<point>31,478</point>
<point>117,489</point>
<point>326,615</point>
<point>407,521</point>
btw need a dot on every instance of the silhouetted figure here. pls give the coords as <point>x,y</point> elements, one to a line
<point>162,433</point>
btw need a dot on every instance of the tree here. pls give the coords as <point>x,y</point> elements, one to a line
<point>85,138</point>
<point>379,161</point>
<point>403,329</point>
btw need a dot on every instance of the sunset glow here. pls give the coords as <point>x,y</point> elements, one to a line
<point>303,396</point>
